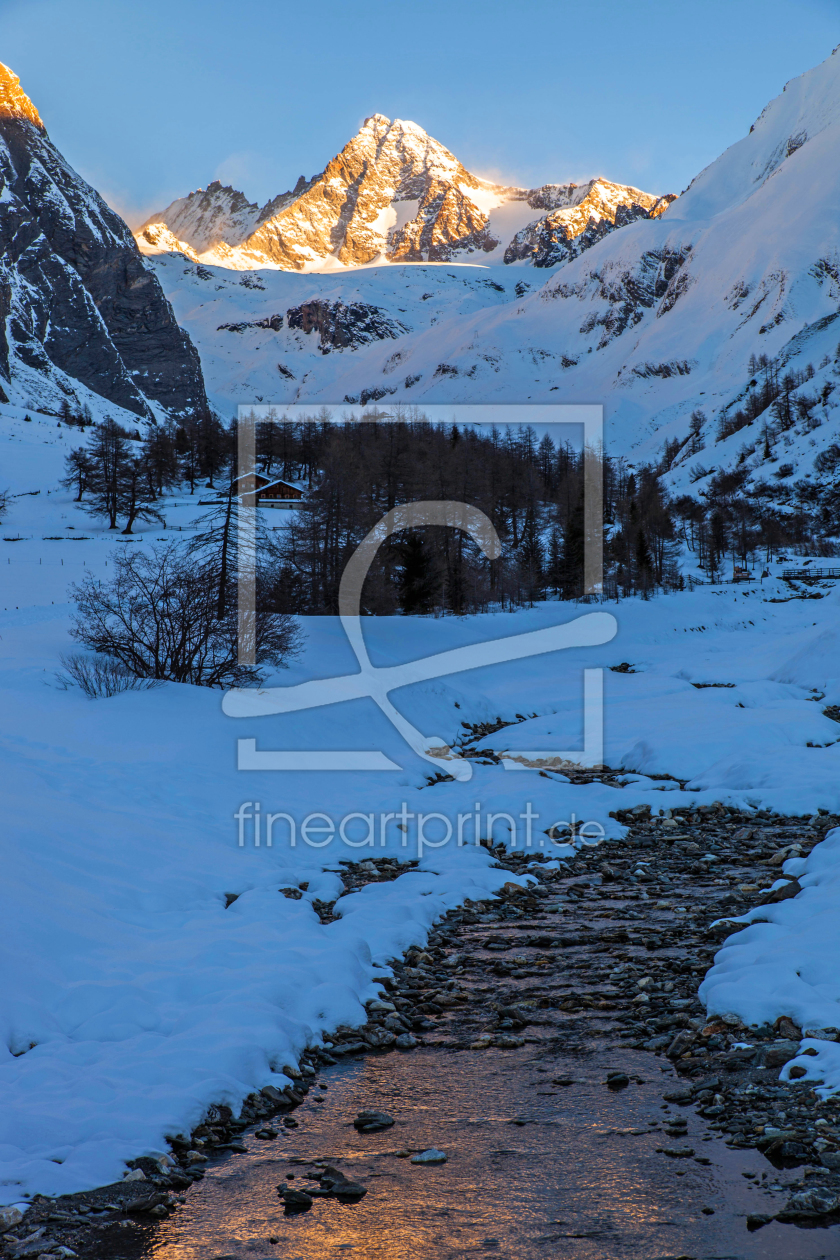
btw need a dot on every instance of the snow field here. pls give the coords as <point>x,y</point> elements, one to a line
<point>135,998</point>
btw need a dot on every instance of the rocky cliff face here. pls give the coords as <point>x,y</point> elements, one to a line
<point>80,306</point>
<point>393,194</point>
<point>342,325</point>
<point>577,220</point>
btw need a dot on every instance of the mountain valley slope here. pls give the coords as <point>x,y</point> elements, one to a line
<point>658,320</point>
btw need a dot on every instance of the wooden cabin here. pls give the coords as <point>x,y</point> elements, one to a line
<point>272,492</point>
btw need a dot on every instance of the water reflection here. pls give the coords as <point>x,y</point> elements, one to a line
<point>533,1170</point>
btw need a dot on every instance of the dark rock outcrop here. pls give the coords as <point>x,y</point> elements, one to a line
<point>81,304</point>
<point>344,325</point>
<point>272,322</point>
<point>659,276</point>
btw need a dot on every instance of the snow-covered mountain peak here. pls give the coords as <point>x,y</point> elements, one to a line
<point>209,217</point>
<point>376,123</point>
<point>401,152</point>
<point>805,107</point>
<point>393,194</point>
<point>14,103</point>
<point>402,131</point>
<point>579,215</point>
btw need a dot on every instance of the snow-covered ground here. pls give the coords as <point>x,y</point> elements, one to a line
<point>246,364</point>
<point>785,962</point>
<point>133,997</point>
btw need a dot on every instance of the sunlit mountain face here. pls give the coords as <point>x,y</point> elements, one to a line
<point>394,194</point>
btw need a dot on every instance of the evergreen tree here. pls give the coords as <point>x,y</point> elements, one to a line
<point>545,461</point>
<point>695,429</point>
<point>160,459</point>
<point>115,478</point>
<point>718,538</point>
<point>644,560</point>
<point>531,556</point>
<point>215,448</point>
<point>188,447</point>
<point>269,442</point>
<point>134,498</point>
<point>554,565</point>
<point>216,545</point>
<point>768,452</point>
<point>571,579</point>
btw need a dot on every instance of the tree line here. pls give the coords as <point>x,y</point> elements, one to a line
<point>170,612</point>
<point>751,511</point>
<point>531,489</point>
<point>122,476</point>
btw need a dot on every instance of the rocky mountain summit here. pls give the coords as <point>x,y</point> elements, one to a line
<point>394,194</point>
<point>83,318</point>
<point>585,214</point>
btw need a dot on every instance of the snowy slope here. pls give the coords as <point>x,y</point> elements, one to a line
<point>253,351</point>
<point>132,997</point>
<point>786,960</point>
<point>655,320</point>
<point>393,194</point>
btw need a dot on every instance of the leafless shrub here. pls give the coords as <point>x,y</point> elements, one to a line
<point>160,619</point>
<point>99,675</point>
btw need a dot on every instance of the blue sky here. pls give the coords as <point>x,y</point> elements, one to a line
<point>149,100</point>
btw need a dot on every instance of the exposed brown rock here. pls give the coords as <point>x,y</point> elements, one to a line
<point>393,193</point>
<point>14,103</point>
<point>581,220</point>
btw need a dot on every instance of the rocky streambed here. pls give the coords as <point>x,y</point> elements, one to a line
<point>550,1045</point>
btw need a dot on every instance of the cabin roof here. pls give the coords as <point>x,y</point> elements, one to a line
<point>262,482</point>
<point>290,485</point>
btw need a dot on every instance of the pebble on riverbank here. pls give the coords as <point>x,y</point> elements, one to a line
<point>431,1156</point>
